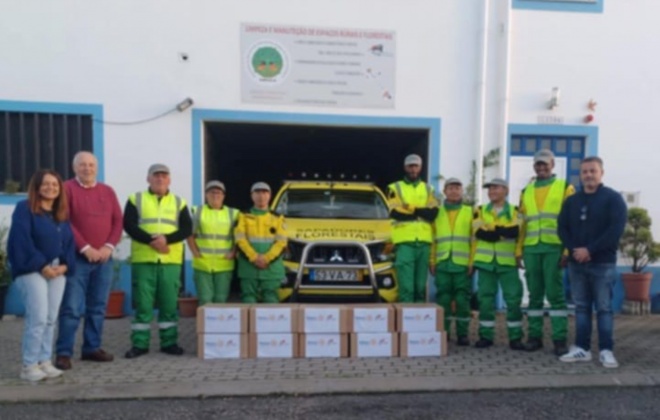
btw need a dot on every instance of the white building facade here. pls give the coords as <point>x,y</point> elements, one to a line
<point>457,79</point>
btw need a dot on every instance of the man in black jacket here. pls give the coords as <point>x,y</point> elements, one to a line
<point>590,226</point>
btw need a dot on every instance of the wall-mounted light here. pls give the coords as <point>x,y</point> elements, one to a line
<point>554,98</point>
<point>185,104</point>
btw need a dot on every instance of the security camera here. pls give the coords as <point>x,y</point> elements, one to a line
<point>183,56</point>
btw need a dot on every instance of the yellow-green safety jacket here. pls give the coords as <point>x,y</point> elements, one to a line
<point>413,196</point>
<point>213,230</point>
<point>157,217</point>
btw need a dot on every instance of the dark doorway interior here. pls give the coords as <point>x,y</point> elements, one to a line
<point>240,154</point>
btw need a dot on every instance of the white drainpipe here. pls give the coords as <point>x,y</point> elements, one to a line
<point>504,103</point>
<point>481,116</point>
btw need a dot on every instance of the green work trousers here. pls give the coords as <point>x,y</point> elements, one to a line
<point>212,287</point>
<point>507,278</point>
<point>454,287</point>
<point>159,284</point>
<point>545,279</point>
<point>412,270</point>
<point>252,289</point>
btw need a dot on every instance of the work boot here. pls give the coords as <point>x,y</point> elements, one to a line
<point>560,347</point>
<point>63,362</point>
<point>135,352</point>
<point>174,350</point>
<point>516,345</point>
<point>534,344</point>
<point>99,355</point>
<point>483,343</point>
<point>463,341</point>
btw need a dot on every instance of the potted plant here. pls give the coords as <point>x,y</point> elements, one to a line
<point>187,305</point>
<point>5,275</point>
<point>115,308</point>
<point>637,245</point>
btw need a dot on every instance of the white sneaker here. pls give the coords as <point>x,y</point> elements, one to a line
<point>50,370</point>
<point>576,354</point>
<point>607,359</point>
<point>33,373</point>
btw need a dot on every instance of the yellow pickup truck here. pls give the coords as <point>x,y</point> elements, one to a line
<point>339,247</point>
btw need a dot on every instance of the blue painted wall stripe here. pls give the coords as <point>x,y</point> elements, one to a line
<point>560,6</point>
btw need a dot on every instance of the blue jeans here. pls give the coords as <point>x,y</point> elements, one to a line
<point>42,300</point>
<point>86,295</point>
<point>592,284</point>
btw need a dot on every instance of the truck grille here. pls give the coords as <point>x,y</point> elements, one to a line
<point>331,254</point>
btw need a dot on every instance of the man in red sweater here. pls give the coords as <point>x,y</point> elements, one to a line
<point>96,221</point>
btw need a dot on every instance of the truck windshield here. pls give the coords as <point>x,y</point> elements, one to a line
<point>332,204</point>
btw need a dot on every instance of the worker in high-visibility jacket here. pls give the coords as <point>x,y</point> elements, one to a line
<point>261,239</point>
<point>158,222</point>
<point>542,252</point>
<point>496,229</point>
<point>212,245</point>
<point>413,208</point>
<point>450,259</point>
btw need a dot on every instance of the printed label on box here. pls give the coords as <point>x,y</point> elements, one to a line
<point>370,320</point>
<point>272,320</point>
<point>419,319</point>
<point>274,345</point>
<point>221,346</point>
<point>374,344</point>
<point>321,320</point>
<point>222,320</point>
<point>424,344</point>
<point>322,345</point>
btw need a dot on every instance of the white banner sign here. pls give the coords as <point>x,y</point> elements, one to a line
<point>307,65</point>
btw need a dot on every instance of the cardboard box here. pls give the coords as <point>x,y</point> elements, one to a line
<point>279,345</point>
<point>323,319</point>
<point>222,346</point>
<point>222,319</point>
<point>419,317</point>
<point>273,318</point>
<point>423,344</point>
<point>374,344</point>
<point>323,345</point>
<point>372,318</point>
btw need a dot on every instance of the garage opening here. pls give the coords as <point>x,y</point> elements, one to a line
<point>240,154</point>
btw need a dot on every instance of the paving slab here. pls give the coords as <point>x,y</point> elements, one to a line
<point>157,375</point>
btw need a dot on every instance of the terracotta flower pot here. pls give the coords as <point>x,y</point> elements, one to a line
<point>187,307</point>
<point>637,286</point>
<point>115,308</point>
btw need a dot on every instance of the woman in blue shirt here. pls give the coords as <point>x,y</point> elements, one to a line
<point>41,250</point>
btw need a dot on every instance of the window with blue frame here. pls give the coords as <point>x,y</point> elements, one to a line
<point>34,140</point>
<point>587,6</point>
<point>570,147</point>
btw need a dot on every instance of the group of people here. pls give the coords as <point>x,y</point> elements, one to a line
<point>63,236</point>
<point>553,227</point>
<point>60,249</point>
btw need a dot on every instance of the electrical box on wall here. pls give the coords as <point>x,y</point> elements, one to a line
<point>631,198</point>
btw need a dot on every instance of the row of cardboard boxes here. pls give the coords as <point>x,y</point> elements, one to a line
<point>312,319</point>
<point>332,345</point>
<point>369,330</point>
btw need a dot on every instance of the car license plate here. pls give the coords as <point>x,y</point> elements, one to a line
<point>336,275</point>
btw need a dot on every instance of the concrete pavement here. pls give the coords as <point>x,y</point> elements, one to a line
<point>157,375</point>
